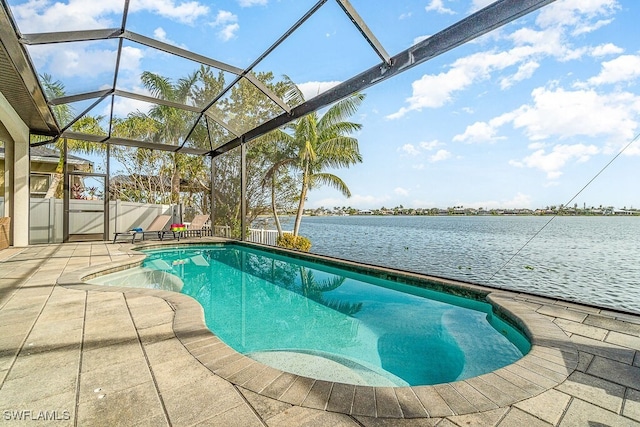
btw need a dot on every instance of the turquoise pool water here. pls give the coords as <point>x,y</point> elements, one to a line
<point>315,320</point>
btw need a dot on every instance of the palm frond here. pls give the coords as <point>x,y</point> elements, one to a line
<point>330,180</point>
<point>339,152</point>
<point>293,95</point>
<point>341,110</point>
<point>159,86</point>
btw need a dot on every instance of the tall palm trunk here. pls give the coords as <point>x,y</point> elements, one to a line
<point>175,182</point>
<point>273,206</point>
<point>303,197</point>
<point>55,182</point>
<point>55,179</point>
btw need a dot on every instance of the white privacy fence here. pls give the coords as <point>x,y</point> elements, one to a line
<point>87,217</point>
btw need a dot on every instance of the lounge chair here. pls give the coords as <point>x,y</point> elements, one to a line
<point>197,225</point>
<point>157,226</point>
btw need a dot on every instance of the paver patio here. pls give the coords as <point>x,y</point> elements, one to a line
<point>73,354</point>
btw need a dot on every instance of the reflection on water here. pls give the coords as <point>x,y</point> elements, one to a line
<point>257,302</point>
<point>595,260</point>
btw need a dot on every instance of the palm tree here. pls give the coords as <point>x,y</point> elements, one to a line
<point>314,289</point>
<point>65,114</point>
<point>317,143</point>
<point>168,125</point>
<point>171,123</point>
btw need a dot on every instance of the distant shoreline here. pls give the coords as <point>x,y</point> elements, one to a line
<point>460,211</point>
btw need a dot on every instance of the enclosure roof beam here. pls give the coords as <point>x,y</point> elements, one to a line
<point>479,23</point>
<point>80,97</point>
<point>159,101</point>
<point>165,47</point>
<point>131,143</point>
<point>361,25</point>
<point>70,36</point>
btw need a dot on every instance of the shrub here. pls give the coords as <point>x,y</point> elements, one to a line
<point>298,243</point>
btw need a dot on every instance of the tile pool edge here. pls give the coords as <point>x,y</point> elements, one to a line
<point>551,360</point>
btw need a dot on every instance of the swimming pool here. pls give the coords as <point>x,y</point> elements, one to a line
<point>316,320</point>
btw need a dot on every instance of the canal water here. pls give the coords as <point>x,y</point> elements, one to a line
<point>594,260</point>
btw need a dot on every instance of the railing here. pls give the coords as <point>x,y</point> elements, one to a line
<point>265,237</point>
<point>222,231</point>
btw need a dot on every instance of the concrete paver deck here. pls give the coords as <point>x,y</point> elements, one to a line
<point>78,354</point>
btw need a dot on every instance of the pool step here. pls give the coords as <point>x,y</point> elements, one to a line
<point>328,367</point>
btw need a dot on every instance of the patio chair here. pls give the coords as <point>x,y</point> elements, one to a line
<point>197,225</point>
<point>156,227</point>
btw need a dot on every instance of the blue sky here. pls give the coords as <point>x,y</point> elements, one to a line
<point>522,117</point>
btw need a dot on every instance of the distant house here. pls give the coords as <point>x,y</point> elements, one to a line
<point>622,212</point>
<point>44,162</point>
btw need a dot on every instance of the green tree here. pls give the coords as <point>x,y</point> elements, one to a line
<point>164,124</point>
<point>316,143</point>
<point>64,114</point>
<point>244,108</point>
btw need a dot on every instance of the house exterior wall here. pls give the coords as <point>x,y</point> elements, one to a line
<point>15,134</point>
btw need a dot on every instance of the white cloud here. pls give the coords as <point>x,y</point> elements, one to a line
<point>417,152</point>
<point>419,39</point>
<point>584,16</point>
<point>123,106</point>
<point>161,35</point>
<point>606,49</point>
<point>249,3</point>
<point>624,68</point>
<point>228,31</point>
<point>563,114</point>
<point>401,191</point>
<point>586,113</point>
<point>405,16</point>
<point>413,150</point>
<point>434,91</point>
<point>42,16</point>
<point>91,59</point>
<point>484,131</point>
<point>480,4</point>
<point>518,201</point>
<point>438,6</point>
<point>478,132</point>
<point>409,149</point>
<point>552,162</point>
<point>430,145</point>
<point>227,25</point>
<point>530,46</point>
<point>525,71</point>
<point>537,145</point>
<point>224,17</point>
<point>130,58</point>
<point>311,89</point>
<point>439,156</point>
<point>64,61</point>
<point>184,12</point>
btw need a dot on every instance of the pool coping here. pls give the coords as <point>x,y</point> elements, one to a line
<point>552,358</point>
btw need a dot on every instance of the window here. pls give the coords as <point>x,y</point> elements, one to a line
<point>39,184</point>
